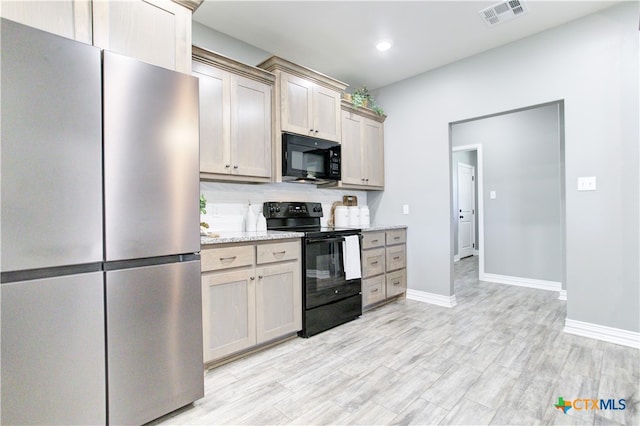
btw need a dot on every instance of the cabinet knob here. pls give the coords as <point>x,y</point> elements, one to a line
<point>235,167</point>
<point>259,277</point>
<point>316,131</point>
<point>227,165</point>
<point>366,180</point>
<point>252,278</point>
<point>311,130</point>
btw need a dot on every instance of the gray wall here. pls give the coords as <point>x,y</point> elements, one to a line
<point>521,163</point>
<point>591,64</point>
<point>207,38</point>
<point>470,158</point>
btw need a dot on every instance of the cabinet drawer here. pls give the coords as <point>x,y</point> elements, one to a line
<point>372,239</point>
<point>227,257</point>
<point>373,290</point>
<point>278,252</point>
<point>396,236</point>
<point>372,262</point>
<point>396,282</point>
<point>396,257</point>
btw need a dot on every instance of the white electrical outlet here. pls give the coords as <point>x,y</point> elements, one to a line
<point>492,195</point>
<point>405,209</point>
<point>587,183</point>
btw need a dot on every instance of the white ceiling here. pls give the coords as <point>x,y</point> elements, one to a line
<point>338,38</point>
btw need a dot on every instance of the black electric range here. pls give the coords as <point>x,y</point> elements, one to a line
<point>329,298</point>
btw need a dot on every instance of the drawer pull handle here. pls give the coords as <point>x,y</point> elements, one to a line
<point>252,278</point>
<point>396,283</point>
<point>230,259</point>
<point>375,290</point>
<point>375,262</point>
<point>374,241</point>
<point>396,258</point>
<point>396,238</point>
<point>260,277</point>
<point>279,253</point>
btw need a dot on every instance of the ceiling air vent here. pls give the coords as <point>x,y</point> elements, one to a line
<point>501,12</point>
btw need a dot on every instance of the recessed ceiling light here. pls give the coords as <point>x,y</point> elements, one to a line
<point>383,45</point>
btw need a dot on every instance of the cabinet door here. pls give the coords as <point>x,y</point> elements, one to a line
<point>278,300</point>
<point>352,172</point>
<point>67,18</point>
<point>228,313</point>
<point>326,113</point>
<point>296,97</point>
<point>373,152</point>
<point>154,31</point>
<point>250,127</point>
<point>215,98</point>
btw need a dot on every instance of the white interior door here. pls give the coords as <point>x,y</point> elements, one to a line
<point>466,210</point>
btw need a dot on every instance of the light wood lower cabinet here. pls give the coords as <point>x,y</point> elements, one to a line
<point>251,294</point>
<point>384,265</point>
<point>228,310</point>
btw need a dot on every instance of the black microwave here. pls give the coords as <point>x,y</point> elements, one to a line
<point>308,159</point>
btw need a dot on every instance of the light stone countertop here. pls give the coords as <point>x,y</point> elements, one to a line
<point>375,227</point>
<point>242,237</point>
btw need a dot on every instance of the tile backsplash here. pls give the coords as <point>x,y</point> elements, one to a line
<point>227,203</point>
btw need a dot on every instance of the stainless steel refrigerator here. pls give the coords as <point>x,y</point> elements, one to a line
<point>100,284</point>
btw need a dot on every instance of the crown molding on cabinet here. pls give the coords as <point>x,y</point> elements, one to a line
<point>223,62</point>
<point>276,63</point>
<point>365,112</point>
<point>189,4</point>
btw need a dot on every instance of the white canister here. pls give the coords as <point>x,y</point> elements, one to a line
<point>354,216</point>
<point>250,220</point>
<point>341,217</point>
<point>364,216</point>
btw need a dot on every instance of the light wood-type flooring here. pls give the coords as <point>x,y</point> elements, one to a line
<point>498,357</point>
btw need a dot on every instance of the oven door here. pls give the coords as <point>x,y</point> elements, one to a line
<point>324,275</point>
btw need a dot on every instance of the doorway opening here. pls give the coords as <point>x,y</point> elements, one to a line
<point>517,231</point>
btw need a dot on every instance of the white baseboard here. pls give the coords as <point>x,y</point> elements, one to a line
<point>563,295</point>
<point>601,332</point>
<point>434,299</point>
<point>522,282</point>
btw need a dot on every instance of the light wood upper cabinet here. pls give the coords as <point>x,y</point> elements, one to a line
<point>250,127</point>
<point>352,161</point>
<point>362,149</point>
<point>67,18</point>
<point>296,97</point>
<point>154,31</point>
<point>373,153</point>
<point>236,106</point>
<point>309,109</point>
<point>306,103</point>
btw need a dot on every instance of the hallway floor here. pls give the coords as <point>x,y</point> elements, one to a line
<point>498,357</point>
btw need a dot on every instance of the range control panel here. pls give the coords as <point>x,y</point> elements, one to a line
<point>272,210</point>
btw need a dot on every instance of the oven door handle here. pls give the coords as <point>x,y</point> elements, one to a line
<point>325,240</point>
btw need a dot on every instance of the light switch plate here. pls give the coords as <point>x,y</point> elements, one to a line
<point>492,195</point>
<point>405,209</point>
<point>587,183</point>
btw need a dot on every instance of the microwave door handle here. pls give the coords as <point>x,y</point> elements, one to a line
<point>325,240</point>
